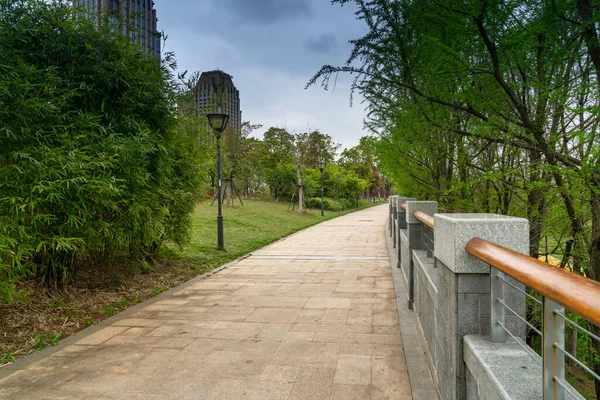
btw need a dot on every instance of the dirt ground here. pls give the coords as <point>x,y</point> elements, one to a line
<point>42,317</point>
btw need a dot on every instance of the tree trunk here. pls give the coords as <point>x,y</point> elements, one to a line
<point>486,197</point>
<point>594,257</point>
<point>535,205</point>
<point>228,187</point>
<point>586,14</point>
<point>300,192</point>
<point>571,340</point>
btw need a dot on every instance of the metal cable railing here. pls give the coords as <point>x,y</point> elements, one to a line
<point>402,216</point>
<point>427,232</point>
<point>559,289</point>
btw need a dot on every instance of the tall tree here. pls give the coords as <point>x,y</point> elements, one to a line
<point>235,146</point>
<point>502,85</point>
<point>280,147</point>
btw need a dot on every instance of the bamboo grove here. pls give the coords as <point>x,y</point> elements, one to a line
<point>95,163</point>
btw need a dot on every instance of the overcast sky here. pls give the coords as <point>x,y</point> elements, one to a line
<point>272,48</point>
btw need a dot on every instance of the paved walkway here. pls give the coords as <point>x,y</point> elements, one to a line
<point>310,317</point>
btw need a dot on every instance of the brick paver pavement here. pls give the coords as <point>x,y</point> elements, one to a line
<point>310,317</point>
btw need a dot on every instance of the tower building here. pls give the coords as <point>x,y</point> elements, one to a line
<point>139,20</point>
<point>214,90</point>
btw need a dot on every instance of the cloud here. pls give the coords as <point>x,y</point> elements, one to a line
<point>270,11</point>
<point>324,44</point>
<point>272,48</point>
<point>284,102</point>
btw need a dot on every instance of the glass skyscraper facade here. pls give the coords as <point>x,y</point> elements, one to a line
<point>139,20</point>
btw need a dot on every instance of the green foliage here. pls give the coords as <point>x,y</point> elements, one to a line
<point>360,160</point>
<point>145,267</point>
<point>42,340</point>
<point>277,158</point>
<point>343,183</point>
<point>109,310</point>
<point>313,147</point>
<point>338,182</point>
<point>331,204</point>
<point>158,290</point>
<point>311,182</point>
<point>7,358</point>
<point>94,162</point>
<point>279,146</point>
<point>314,203</point>
<point>282,180</point>
<point>114,308</point>
<point>251,159</point>
<point>89,321</point>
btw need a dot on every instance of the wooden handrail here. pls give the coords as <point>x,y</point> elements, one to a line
<point>424,218</point>
<point>576,293</point>
<point>421,216</point>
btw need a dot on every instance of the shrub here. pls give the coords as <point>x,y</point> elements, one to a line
<point>94,160</point>
<point>313,202</point>
<point>364,203</point>
<point>347,203</point>
<point>333,205</point>
<point>311,182</point>
<point>330,204</point>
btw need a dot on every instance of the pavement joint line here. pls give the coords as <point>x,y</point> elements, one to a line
<point>344,225</point>
<point>317,257</point>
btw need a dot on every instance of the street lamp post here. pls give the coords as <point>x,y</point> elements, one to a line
<point>321,168</point>
<point>218,122</point>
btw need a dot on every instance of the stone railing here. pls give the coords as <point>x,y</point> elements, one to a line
<point>450,292</point>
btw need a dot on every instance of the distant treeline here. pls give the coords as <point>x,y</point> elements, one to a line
<point>282,163</point>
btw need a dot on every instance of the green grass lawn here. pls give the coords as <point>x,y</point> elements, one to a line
<point>246,228</point>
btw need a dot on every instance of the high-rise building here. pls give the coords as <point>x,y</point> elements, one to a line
<point>215,90</point>
<point>138,19</point>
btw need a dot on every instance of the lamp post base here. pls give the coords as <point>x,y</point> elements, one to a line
<point>220,245</point>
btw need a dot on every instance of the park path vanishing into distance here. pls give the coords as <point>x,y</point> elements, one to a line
<point>310,317</point>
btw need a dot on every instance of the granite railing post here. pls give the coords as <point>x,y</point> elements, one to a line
<point>402,247</point>
<point>401,213</point>
<point>397,213</point>
<point>401,218</point>
<point>463,290</point>
<point>391,216</point>
<point>414,229</point>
